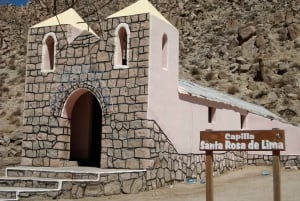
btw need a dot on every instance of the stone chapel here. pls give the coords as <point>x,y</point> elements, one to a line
<point>114,100</point>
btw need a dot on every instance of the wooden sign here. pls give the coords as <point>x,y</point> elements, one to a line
<point>251,140</point>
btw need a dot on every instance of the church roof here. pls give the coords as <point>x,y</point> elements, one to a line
<point>193,89</point>
<point>140,7</point>
<point>70,16</point>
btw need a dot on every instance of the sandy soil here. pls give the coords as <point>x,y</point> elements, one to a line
<point>239,185</point>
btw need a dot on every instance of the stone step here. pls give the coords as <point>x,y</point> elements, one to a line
<point>68,182</point>
<point>57,173</point>
<point>31,182</point>
<point>7,194</point>
<point>13,193</point>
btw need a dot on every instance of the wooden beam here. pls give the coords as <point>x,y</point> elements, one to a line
<point>276,176</point>
<point>209,169</point>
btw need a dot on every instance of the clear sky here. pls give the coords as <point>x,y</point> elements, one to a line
<point>16,2</point>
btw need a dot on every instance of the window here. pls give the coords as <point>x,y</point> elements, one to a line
<point>164,52</point>
<point>243,121</point>
<point>121,46</point>
<point>48,53</point>
<point>211,114</point>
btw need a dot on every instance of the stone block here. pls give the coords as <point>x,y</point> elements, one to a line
<point>93,190</point>
<point>142,153</point>
<point>146,163</point>
<point>37,162</point>
<point>26,161</point>
<point>63,154</point>
<point>142,133</point>
<point>119,163</point>
<point>112,188</point>
<point>126,153</point>
<point>126,186</point>
<point>52,153</point>
<point>134,143</point>
<point>148,143</point>
<point>54,162</point>
<point>107,143</point>
<point>132,163</point>
<point>125,176</point>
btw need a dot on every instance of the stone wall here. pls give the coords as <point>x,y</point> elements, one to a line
<point>286,160</point>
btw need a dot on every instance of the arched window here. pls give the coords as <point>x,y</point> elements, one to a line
<point>121,46</point>
<point>48,53</point>
<point>164,55</point>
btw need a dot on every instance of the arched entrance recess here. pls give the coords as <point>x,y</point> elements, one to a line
<point>84,112</point>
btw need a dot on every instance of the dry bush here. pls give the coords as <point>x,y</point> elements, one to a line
<point>17,112</point>
<point>232,90</point>
<point>197,77</point>
<point>4,89</point>
<point>209,76</point>
<point>194,71</point>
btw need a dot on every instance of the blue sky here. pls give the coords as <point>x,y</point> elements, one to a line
<point>16,2</point>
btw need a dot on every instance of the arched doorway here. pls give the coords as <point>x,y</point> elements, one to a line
<point>86,128</point>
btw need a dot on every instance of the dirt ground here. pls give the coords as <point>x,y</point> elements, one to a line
<point>244,184</point>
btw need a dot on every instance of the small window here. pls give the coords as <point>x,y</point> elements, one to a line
<point>211,114</point>
<point>164,52</point>
<point>243,121</point>
<point>48,53</point>
<point>121,46</point>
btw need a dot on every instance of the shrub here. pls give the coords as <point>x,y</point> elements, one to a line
<point>209,76</point>
<point>232,90</point>
<point>195,71</point>
<point>17,112</point>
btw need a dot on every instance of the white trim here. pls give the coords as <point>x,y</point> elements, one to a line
<point>117,50</point>
<point>45,66</point>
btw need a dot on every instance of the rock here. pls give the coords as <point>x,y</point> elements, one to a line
<point>283,34</point>
<point>17,135</point>
<point>297,42</point>
<point>282,68</point>
<point>292,96</point>
<point>260,41</point>
<point>241,60</point>
<point>245,68</point>
<point>289,17</point>
<point>223,75</point>
<point>279,17</point>
<point>287,113</point>
<point>234,67</point>
<point>293,31</point>
<point>246,33</point>
<point>272,97</point>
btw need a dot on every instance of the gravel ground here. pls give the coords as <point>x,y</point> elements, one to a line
<point>239,185</point>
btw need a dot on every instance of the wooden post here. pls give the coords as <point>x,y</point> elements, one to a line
<point>209,176</point>
<point>276,176</point>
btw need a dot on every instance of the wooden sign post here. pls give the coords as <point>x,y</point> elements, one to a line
<point>257,140</point>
